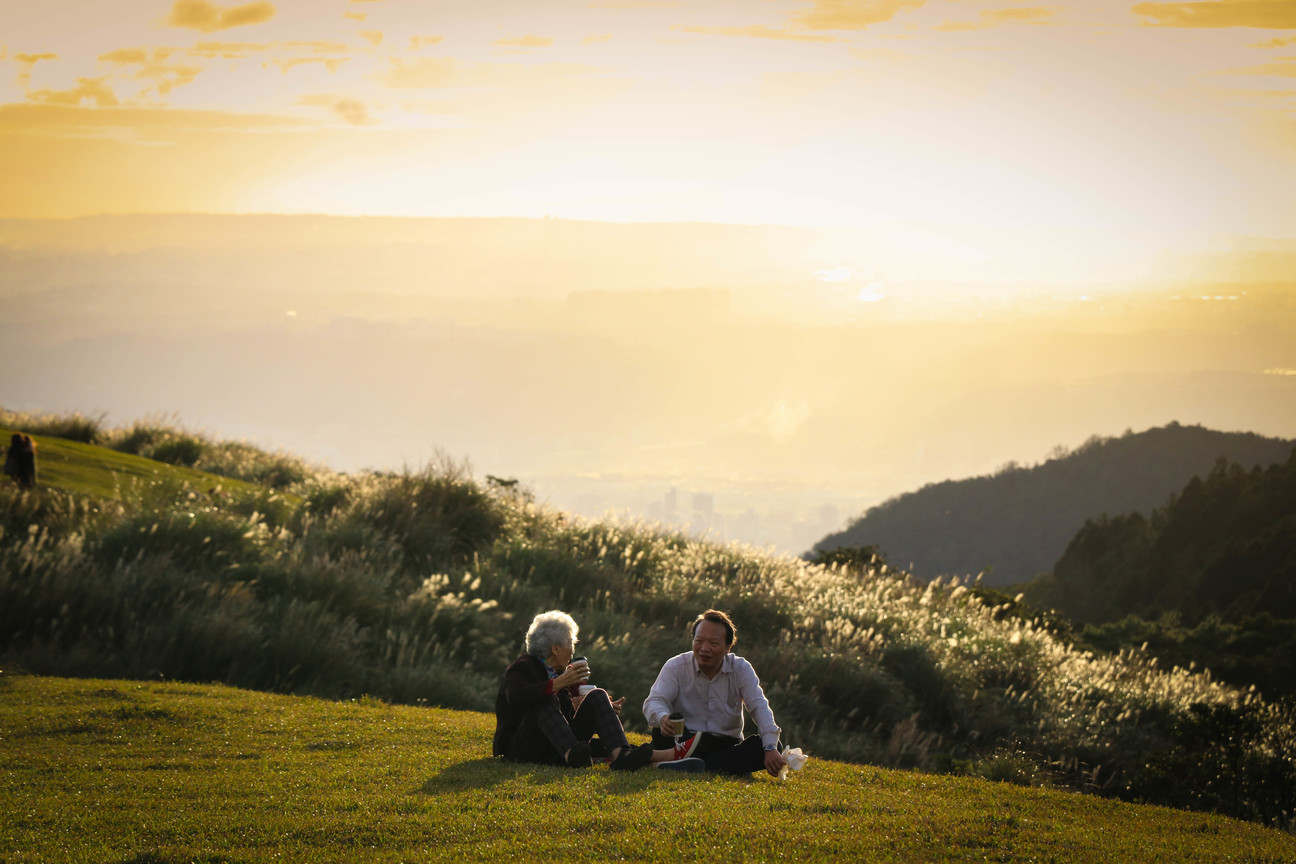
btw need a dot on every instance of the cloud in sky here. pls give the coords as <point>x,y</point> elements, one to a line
<point>526,41</point>
<point>93,90</point>
<point>25,64</point>
<point>1268,14</point>
<point>154,68</point>
<point>228,50</point>
<point>333,64</point>
<point>999,17</point>
<point>854,14</point>
<point>320,47</point>
<point>207,17</point>
<point>1276,43</point>
<point>422,73</point>
<point>352,111</point>
<point>374,37</point>
<point>635,4</point>
<point>1285,67</point>
<point>433,72</point>
<point>759,32</point>
<point>128,56</point>
<point>420,42</point>
<point>64,119</point>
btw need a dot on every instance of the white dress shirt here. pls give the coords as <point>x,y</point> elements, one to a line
<point>711,704</point>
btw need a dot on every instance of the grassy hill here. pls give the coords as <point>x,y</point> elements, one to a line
<point>160,772</point>
<point>95,472</point>
<point>416,588</point>
<point>1018,522</point>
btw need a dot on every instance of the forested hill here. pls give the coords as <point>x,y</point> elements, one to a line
<point>1225,546</point>
<point>1019,521</point>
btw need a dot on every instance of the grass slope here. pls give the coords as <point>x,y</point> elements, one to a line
<point>98,472</point>
<point>163,772</point>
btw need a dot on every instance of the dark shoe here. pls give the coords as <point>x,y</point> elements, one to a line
<point>579,757</point>
<point>633,758</point>
<point>692,765</point>
<point>685,748</point>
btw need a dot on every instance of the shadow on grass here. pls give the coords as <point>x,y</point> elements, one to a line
<point>486,772</point>
<point>490,771</point>
<point>177,858</point>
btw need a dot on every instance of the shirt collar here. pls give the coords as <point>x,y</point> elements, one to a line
<point>726,665</point>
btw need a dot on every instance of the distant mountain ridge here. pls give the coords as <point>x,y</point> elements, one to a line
<point>1019,521</point>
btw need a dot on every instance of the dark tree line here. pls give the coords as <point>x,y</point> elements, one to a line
<point>1209,579</point>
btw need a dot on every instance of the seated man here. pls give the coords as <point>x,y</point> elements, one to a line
<point>538,720</point>
<point>710,686</point>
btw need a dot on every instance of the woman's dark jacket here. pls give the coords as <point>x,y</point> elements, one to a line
<point>525,689</point>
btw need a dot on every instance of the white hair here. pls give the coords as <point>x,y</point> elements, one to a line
<point>548,629</point>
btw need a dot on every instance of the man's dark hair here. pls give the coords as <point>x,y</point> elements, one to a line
<point>715,615</point>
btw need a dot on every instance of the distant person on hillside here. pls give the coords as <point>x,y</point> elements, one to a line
<point>20,461</point>
<point>546,712</point>
<point>710,686</point>
<point>11,458</point>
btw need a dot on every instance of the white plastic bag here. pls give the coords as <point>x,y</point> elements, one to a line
<point>794,760</point>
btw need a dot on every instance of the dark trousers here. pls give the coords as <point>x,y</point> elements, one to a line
<point>722,754</point>
<point>593,719</point>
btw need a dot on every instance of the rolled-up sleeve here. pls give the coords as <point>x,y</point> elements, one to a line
<point>749,690</point>
<point>662,694</point>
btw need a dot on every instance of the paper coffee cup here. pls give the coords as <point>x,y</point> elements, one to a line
<point>586,689</point>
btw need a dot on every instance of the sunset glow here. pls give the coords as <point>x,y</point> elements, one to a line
<point>789,256</point>
<point>1089,135</point>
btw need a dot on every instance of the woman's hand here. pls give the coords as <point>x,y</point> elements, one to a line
<point>572,675</point>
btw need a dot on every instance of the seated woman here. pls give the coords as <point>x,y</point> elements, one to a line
<point>538,720</point>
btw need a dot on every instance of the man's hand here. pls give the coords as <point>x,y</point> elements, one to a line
<point>616,705</point>
<point>774,762</point>
<point>667,727</point>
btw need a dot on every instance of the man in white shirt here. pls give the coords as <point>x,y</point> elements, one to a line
<point>710,686</point>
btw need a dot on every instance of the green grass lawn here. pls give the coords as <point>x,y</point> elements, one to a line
<point>99,472</point>
<point>161,772</point>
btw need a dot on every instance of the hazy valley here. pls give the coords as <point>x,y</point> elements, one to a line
<point>765,370</point>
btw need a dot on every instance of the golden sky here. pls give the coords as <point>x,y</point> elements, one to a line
<point>1009,139</point>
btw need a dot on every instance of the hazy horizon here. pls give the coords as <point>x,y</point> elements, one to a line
<point>790,402</point>
<point>794,255</point>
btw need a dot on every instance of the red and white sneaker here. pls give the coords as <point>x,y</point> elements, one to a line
<point>685,748</point>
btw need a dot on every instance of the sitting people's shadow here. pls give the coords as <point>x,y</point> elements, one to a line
<point>485,773</point>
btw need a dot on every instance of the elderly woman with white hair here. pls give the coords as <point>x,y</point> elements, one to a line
<point>538,719</point>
